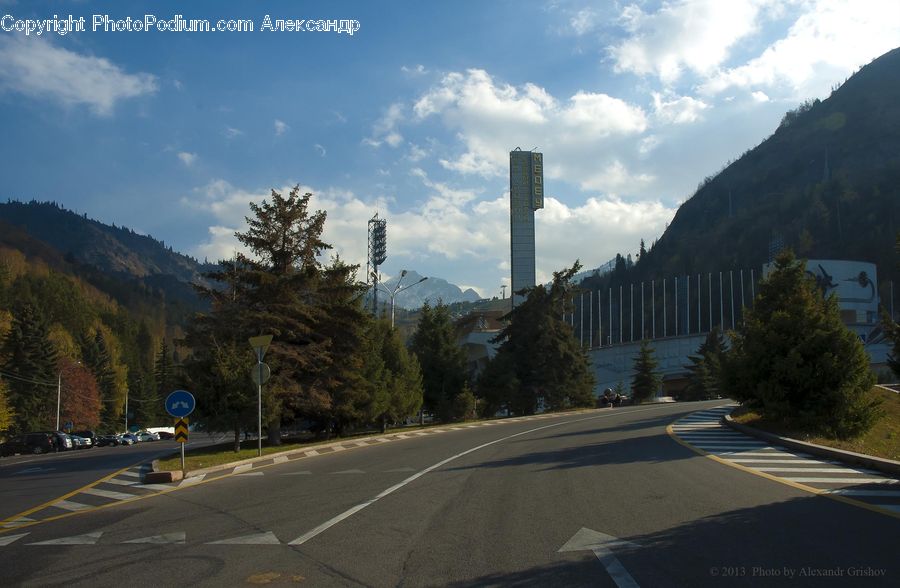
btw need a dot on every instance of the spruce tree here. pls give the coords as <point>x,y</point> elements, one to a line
<point>795,361</point>
<point>441,359</point>
<point>706,368</point>
<point>646,381</point>
<point>32,359</point>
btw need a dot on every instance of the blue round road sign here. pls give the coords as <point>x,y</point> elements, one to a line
<point>180,403</point>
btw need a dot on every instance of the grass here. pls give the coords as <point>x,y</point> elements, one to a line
<point>882,440</point>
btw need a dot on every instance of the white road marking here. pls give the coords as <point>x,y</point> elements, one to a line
<point>87,539</point>
<point>854,492</point>
<point>108,494</point>
<point>815,470</point>
<point>166,538</point>
<point>249,474</point>
<point>191,481</point>
<point>69,505</point>
<point>311,453</point>
<point>267,538</point>
<point>7,539</point>
<point>280,459</point>
<point>131,474</point>
<point>17,522</point>
<point>843,480</point>
<point>242,468</point>
<point>352,511</point>
<point>155,486</point>
<point>338,448</point>
<point>349,472</point>
<point>119,482</point>
<point>601,544</point>
<point>305,472</point>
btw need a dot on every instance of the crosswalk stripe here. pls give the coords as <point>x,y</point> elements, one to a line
<point>131,474</point>
<point>178,538</point>
<point>119,482</point>
<point>86,539</point>
<point>108,494</point>
<point>17,522</point>
<point>842,480</point>
<point>69,505</point>
<point>812,470</point>
<point>267,538</point>
<point>855,492</point>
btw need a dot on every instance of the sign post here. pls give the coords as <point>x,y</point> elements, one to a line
<point>260,375</point>
<point>180,404</point>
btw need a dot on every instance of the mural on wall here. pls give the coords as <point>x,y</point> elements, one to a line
<point>852,281</point>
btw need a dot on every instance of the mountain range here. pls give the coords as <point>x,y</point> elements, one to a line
<point>415,292</point>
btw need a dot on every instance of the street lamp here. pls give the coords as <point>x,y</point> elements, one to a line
<point>397,289</point>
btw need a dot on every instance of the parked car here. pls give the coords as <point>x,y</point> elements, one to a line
<point>80,442</point>
<point>61,441</point>
<point>89,435</point>
<point>128,439</point>
<point>147,436</point>
<point>108,440</point>
<point>28,443</point>
<point>165,435</point>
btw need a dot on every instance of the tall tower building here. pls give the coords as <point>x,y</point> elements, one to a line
<point>526,194</point>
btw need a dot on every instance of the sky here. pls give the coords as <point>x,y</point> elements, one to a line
<point>173,133</point>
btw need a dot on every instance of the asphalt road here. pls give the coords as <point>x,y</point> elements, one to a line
<point>486,506</point>
<point>29,480</point>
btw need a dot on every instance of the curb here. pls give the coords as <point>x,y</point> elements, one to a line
<point>881,464</point>
<point>170,476</point>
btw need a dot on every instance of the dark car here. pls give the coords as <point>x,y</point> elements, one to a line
<point>111,440</point>
<point>29,443</point>
<point>61,441</point>
<point>165,435</point>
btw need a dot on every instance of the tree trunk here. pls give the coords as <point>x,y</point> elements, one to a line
<point>237,437</point>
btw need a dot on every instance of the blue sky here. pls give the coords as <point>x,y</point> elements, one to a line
<point>633,104</point>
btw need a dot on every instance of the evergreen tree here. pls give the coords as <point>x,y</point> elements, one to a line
<point>31,358</point>
<point>795,361</point>
<point>441,359</point>
<point>163,372</point>
<point>706,368</point>
<point>399,392</point>
<point>464,405</point>
<point>646,381</point>
<point>546,359</point>
<point>6,412</point>
<point>498,384</point>
<point>96,356</point>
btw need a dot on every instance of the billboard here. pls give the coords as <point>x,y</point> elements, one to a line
<point>537,181</point>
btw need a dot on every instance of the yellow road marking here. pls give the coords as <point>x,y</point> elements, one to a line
<point>796,485</point>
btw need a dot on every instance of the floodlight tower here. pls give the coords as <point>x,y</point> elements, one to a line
<point>377,254</point>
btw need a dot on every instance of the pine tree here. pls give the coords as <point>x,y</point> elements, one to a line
<point>795,361</point>
<point>441,359</point>
<point>163,372</point>
<point>97,357</point>
<point>706,369</point>
<point>546,359</point>
<point>646,381</point>
<point>32,358</point>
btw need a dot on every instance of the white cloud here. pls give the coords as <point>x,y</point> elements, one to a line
<point>825,44</point>
<point>33,66</point>
<point>683,109</point>
<point>760,96</point>
<point>385,128</point>
<point>449,226</point>
<point>491,119</point>
<point>648,144</point>
<point>416,153</point>
<point>416,70</point>
<point>697,35</point>
<point>320,150</point>
<point>281,127</point>
<point>584,21</point>
<point>187,158</point>
<point>231,132</point>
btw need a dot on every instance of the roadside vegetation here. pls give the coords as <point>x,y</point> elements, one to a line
<point>796,365</point>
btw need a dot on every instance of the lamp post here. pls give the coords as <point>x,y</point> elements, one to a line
<point>397,289</point>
